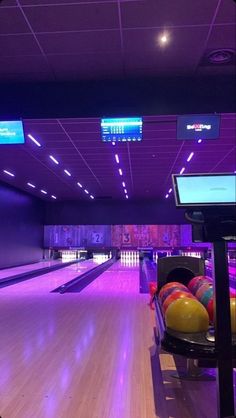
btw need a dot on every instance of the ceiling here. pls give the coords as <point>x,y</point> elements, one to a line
<point>61,40</point>
<point>147,165</point>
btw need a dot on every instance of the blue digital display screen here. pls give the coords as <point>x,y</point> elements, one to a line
<point>122,129</point>
<point>205,189</point>
<point>198,127</point>
<point>12,132</point>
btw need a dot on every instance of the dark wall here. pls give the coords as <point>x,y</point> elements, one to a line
<point>174,95</point>
<point>21,227</point>
<point>113,212</point>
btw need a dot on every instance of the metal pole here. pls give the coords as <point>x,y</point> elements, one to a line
<point>223,336</point>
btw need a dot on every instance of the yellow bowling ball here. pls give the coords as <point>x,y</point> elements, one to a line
<point>233,314</point>
<point>187,315</point>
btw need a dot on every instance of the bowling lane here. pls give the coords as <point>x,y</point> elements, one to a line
<point>57,345</point>
<point>13,271</point>
<point>49,281</point>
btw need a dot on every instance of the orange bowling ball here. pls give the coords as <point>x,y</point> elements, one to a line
<point>169,286</point>
<point>174,296</point>
<point>187,315</point>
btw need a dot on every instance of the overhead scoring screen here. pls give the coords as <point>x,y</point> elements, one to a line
<point>12,132</point>
<point>122,129</point>
<point>198,127</point>
<point>205,189</point>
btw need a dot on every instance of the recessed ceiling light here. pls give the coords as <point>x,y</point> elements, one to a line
<point>125,190</point>
<point>9,173</point>
<point>182,170</point>
<point>123,184</point>
<point>54,197</point>
<point>67,172</point>
<point>79,184</point>
<point>86,191</point>
<point>34,140</point>
<point>170,190</point>
<point>166,196</point>
<point>199,141</point>
<point>163,39</point>
<point>31,185</point>
<point>43,191</point>
<point>113,143</point>
<point>126,196</point>
<point>120,172</point>
<point>53,159</point>
<point>92,197</point>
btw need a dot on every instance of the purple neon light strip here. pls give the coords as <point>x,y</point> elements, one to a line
<point>117,158</point>
<point>9,173</point>
<point>31,185</point>
<point>53,159</point>
<point>34,140</point>
<point>190,156</point>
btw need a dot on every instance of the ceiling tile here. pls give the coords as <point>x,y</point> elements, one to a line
<point>73,17</point>
<point>162,13</point>
<point>12,21</point>
<point>226,12</point>
<point>18,45</point>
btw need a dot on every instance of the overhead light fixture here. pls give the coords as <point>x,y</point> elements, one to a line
<point>92,197</point>
<point>126,196</point>
<point>166,196</point>
<point>53,159</point>
<point>170,190</point>
<point>120,172</point>
<point>67,172</point>
<point>190,156</point>
<point>163,39</point>
<point>123,184</point>
<point>53,197</point>
<point>9,173</point>
<point>125,190</point>
<point>113,143</point>
<point>43,191</point>
<point>182,170</point>
<point>79,184</point>
<point>34,140</point>
<point>199,141</point>
<point>117,158</point>
<point>31,185</point>
<point>86,191</point>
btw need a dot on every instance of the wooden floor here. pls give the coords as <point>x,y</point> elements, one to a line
<point>89,354</point>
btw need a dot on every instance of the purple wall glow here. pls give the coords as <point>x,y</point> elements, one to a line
<point>21,227</point>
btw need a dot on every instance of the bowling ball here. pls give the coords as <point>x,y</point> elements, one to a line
<point>233,314</point>
<point>202,289</point>
<point>210,309</point>
<point>207,295</point>
<point>171,290</point>
<point>169,286</point>
<point>174,296</point>
<point>187,315</point>
<point>197,281</point>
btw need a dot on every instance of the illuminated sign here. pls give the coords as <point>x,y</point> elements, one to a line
<point>198,127</point>
<point>11,132</point>
<point>121,129</point>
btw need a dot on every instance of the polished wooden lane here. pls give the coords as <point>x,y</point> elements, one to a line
<point>48,282</point>
<point>89,355</point>
<point>13,271</point>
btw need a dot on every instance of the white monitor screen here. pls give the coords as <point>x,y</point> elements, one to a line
<point>205,189</point>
